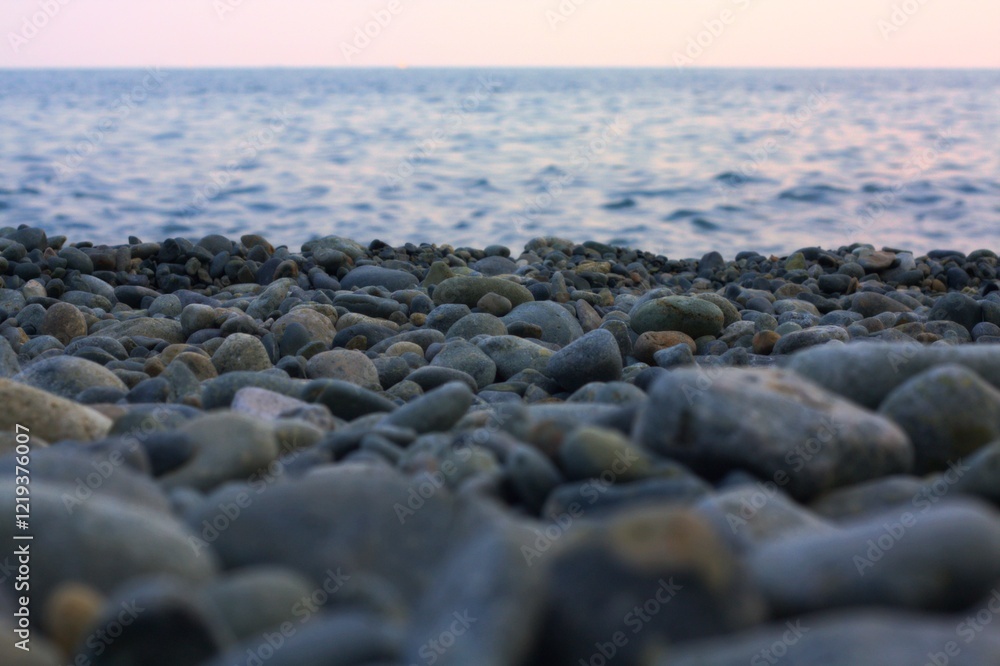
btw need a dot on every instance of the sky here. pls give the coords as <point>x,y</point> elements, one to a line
<point>479,33</point>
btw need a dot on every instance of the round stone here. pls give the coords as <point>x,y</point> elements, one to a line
<point>63,322</point>
<point>693,316</point>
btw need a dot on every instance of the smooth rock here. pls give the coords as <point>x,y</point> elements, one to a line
<point>555,321</point>
<point>468,290</point>
<point>783,428</point>
<point>67,376</point>
<point>228,446</point>
<point>241,352</point>
<point>63,322</point>
<point>927,558</point>
<point>593,357</point>
<point>948,411</point>
<point>693,316</point>
<point>346,365</point>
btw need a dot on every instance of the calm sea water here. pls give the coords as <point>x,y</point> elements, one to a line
<point>679,162</point>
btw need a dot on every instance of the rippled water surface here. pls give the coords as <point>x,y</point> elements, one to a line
<point>679,162</point>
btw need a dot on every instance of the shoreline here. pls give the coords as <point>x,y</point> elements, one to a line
<point>526,451</point>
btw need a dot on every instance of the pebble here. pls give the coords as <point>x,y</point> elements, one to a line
<point>948,411</point>
<point>241,352</point>
<point>376,276</point>
<point>890,559</point>
<point>468,358</point>
<point>67,376</point>
<point>63,322</point>
<point>650,342</point>
<point>557,324</point>
<point>226,446</point>
<point>784,428</point>
<point>693,316</point>
<point>595,357</point>
<point>468,290</point>
<point>349,366</point>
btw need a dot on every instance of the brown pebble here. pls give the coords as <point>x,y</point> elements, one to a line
<point>70,614</point>
<point>64,322</point>
<point>651,342</point>
<point>153,366</point>
<point>764,341</point>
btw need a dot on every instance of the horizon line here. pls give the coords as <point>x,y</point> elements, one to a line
<point>495,66</point>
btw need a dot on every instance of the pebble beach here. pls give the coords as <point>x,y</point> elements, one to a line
<point>565,454</point>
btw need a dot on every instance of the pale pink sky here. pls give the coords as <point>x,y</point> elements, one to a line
<point>775,33</point>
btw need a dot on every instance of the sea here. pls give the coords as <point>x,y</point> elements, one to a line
<point>675,161</point>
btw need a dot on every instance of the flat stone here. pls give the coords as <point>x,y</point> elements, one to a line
<point>600,453</point>
<point>870,304</point>
<point>376,276</point>
<point>158,328</point>
<point>67,376</point>
<point>783,428</point>
<point>926,558</point>
<point>651,342</point>
<point>810,337</point>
